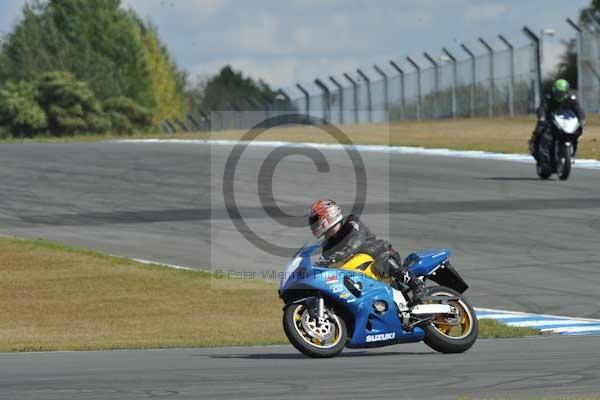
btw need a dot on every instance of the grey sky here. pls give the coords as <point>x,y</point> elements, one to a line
<point>298,40</point>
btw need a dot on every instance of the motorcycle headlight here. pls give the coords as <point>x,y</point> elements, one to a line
<point>289,270</point>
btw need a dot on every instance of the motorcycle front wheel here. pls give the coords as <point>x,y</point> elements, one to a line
<point>543,171</point>
<point>452,334</point>
<point>316,339</point>
<point>564,164</point>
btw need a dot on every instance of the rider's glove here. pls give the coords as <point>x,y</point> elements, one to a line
<point>332,259</point>
<point>323,262</point>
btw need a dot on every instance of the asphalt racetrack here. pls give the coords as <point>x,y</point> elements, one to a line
<point>557,367</point>
<point>521,243</point>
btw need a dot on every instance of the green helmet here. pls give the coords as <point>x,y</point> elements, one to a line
<point>560,90</point>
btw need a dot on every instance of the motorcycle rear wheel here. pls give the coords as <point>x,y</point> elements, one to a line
<point>317,341</point>
<point>451,337</point>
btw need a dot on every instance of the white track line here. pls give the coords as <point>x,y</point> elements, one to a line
<point>484,155</point>
<point>161,264</point>
<point>539,323</point>
<point>578,329</point>
<point>559,324</point>
<point>524,314</point>
<point>545,323</point>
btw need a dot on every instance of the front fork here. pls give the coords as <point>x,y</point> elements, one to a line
<point>563,146</point>
<point>321,310</point>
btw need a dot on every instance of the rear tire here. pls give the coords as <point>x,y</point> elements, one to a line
<point>439,339</point>
<point>295,322</point>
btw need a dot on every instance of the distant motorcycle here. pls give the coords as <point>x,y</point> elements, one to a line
<point>327,309</point>
<point>556,150</point>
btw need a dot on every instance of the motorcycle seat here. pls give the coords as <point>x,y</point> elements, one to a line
<point>421,262</point>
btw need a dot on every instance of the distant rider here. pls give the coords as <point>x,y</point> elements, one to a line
<point>560,99</point>
<point>347,237</point>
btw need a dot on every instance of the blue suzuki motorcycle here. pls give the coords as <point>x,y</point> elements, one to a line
<point>327,309</point>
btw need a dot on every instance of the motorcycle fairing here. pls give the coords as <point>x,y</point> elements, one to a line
<point>566,121</point>
<point>369,329</point>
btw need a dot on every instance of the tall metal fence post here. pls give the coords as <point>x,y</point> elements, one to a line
<point>193,122</point>
<point>436,84</point>
<point>592,65</point>
<point>400,72</point>
<point>355,96</point>
<point>538,65</point>
<point>306,99</point>
<point>288,102</point>
<point>286,96</point>
<point>238,115</point>
<point>454,79</point>
<point>579,61</point>
<point>369,100</point>
<point>166,127</point>
<point>419,93</point>
<point>511,85</point>
<point>340,89</point>
<point>386,97</point>
<point>473,80</point>
<point>256,106</point>
<point>492,86</point>
<point>268,106</point>
<point>326,99</point>
<point>206,121</point>
<point>213,126</point>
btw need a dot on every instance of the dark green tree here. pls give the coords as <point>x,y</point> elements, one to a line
<point>125,115</point>
<point>567,67</point>
<point>95,40</point>
<point>20,113</point>
<point>590,13</point>
<point>104,56</point>
<point>70,105</point>
<point>230,89</point>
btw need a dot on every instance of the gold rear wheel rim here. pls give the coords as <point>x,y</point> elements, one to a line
<point>465,325</point>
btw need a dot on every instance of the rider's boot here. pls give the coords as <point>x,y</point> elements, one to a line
<point>532,149</point>
<point>405,279</point>
<point>417,287</point>
<point>534,141</point>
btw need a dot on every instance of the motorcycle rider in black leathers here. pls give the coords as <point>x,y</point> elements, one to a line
<point>559,99</point>
<point>346,237</point>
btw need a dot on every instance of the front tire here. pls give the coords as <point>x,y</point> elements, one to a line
<point>458,335</point>
<point>564,164</point>
<point>317,341</point>
<point>543,171</point>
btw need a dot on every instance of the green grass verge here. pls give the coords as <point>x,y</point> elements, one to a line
<point>55,297</point>
<point>492,329</point>
<point>504,135</point>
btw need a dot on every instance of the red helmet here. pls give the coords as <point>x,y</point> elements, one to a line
<point>324,215</point>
